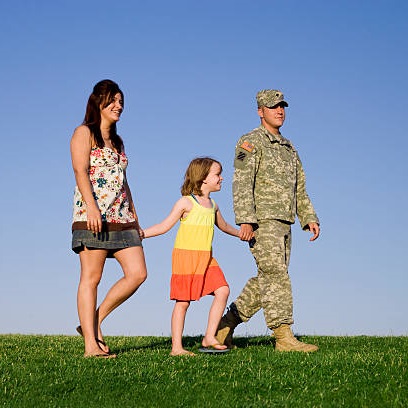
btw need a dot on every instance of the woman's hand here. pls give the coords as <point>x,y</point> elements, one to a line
<point>141,233</point>
<point>94,219</point>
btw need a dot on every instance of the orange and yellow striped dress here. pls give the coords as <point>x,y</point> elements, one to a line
<point>195,273</point>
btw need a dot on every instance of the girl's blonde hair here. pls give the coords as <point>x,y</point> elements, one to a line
<point>196,173</point>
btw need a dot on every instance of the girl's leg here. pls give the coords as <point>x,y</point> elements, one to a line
<point>92,263</point>
<point>217,309</point>
<point>133,264</point>
<point>178,318</point>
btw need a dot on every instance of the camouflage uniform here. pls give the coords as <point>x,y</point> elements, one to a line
<point>269,190</point>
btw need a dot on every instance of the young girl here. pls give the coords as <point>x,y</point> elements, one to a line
<point>195,273</point>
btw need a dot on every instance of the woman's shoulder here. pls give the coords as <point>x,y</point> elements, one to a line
<point>82,135</point>
<point>82,132</point>
<point>83,129</point>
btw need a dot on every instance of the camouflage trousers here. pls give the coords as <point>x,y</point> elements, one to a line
<point>271,289</point>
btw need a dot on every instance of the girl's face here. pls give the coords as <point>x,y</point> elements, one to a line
<point>214,179</point>
<point>111,114</point>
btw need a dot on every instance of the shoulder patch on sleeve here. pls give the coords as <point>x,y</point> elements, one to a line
<point>241,157</point>
<point>247,146</point>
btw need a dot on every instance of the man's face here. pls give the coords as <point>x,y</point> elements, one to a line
<point>272,118</point>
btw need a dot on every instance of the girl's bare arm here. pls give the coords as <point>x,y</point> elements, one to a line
<point>180,209</point>
<point>229,229</point>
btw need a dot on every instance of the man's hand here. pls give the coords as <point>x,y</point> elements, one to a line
<point>314,228</point>
<point>246,232</point>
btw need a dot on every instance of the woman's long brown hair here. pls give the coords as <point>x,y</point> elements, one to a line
<point>102,95</point>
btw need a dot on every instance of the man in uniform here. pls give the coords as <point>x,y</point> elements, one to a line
<point>269,190</point>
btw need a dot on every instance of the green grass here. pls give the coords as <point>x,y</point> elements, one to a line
<point>49,371</point>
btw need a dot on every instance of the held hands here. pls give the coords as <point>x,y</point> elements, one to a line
<point>314,228</point>
<point>246,232</point>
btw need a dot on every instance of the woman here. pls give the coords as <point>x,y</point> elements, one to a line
<point>105,223</point>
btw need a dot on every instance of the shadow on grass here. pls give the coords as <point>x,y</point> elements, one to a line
<point>153,343</point>
<point>164,343</point>
<point>240,342</point>
<point>190,342</point>
<point>244,342</point>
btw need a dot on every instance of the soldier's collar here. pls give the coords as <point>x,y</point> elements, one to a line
<point>275,138</point>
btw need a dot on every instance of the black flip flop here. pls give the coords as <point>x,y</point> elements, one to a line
<point>99,341</point>
<point>212,350</point>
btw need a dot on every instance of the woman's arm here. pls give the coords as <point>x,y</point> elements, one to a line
<point>80,152</point>
<point>132,206</point>
<point>130,198</point>
<point>182,207</point>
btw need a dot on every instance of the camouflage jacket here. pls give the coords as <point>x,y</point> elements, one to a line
<point>269,181</point>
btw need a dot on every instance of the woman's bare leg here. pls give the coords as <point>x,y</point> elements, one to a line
<point>92,263</point>
<point>133,264</point>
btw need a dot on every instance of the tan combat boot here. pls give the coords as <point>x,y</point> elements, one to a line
<point>286,341</point>
<point>227,326</point>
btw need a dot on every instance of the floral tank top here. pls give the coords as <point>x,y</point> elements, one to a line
<point>106,173</point>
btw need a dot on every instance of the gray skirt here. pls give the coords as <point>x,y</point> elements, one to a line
<point>112,241</point>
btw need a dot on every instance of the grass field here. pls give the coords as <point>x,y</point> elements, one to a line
<point>49,371</point>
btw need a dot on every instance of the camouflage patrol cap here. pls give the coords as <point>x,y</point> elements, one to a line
<point>270,98</point>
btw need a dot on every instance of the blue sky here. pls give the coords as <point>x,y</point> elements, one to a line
<point>190,73</point>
